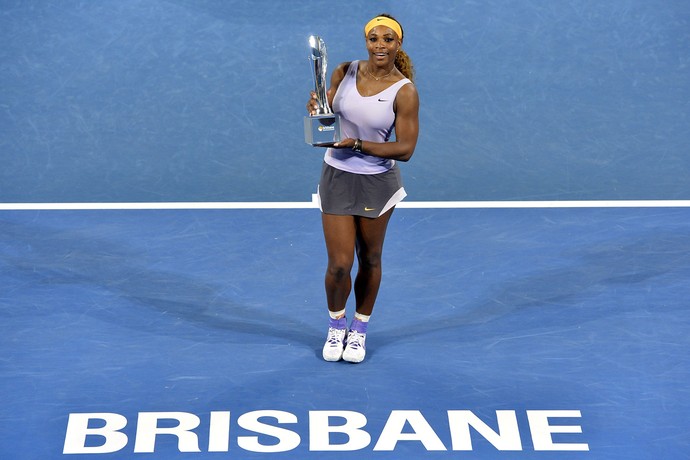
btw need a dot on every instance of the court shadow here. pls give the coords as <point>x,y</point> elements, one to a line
<point>137,294</point>
<point>655,257</point>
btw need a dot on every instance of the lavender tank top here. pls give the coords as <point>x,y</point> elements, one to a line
<point>370,118</point>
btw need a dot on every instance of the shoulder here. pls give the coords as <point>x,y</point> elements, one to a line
<point>337,77</point>
<point>408,91</point>
<point>343,67</point>
<point>339,72</point>
<point>408,87</point>
<point>407,98</point>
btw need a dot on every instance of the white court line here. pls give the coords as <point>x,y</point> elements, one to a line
<point>315,204</point>
<point>152,206</point>
<point>547,204</point>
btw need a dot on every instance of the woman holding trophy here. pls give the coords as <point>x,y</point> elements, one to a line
<point>360,181</point>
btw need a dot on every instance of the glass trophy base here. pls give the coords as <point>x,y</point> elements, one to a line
<point>322,130</point>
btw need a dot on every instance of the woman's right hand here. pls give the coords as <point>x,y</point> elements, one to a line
<point>313,104</point>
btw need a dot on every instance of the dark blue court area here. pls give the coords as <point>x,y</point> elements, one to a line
<point>535,295</point>
<point>132,312</point>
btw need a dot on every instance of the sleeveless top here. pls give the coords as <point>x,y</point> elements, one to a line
<point>370,118</point>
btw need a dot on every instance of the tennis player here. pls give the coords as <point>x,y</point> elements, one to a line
<point>360,182</point>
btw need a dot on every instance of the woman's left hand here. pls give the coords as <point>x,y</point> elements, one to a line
<point>344,144</point>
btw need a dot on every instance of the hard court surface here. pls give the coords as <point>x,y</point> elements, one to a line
<point>550,322</point>
<point>481,310</point>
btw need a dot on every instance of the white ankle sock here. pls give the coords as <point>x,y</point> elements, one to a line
<point>337,314</point>
<point>362,318</point>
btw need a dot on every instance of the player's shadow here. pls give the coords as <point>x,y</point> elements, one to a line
<point>139,295</point>
<point>46,257</point>
<point>595,269</point>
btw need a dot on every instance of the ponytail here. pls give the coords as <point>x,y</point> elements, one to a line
<point>404,64</point>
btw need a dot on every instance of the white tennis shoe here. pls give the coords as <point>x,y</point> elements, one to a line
<point>335,344</point>
<point>355,349</point>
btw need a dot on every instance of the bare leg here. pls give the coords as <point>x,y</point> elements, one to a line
<point>340,235</point>
<point>370,236</point>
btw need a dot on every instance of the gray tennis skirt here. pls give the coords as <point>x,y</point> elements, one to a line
<point>367,195</point>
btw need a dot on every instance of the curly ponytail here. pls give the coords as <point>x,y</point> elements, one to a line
<point>404,64</point>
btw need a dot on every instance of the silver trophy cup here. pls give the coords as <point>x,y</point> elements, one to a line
<point>323,128</point>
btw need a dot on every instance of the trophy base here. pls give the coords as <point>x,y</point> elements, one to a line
<point>322,130</point>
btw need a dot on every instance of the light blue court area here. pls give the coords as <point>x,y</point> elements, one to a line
<point>203,100</point>
<point>499,333</point>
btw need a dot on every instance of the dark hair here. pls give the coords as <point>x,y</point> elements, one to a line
<point>402,60</point>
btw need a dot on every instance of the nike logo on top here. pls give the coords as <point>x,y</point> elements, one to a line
<point>369,209</point>
<point>383,100</point>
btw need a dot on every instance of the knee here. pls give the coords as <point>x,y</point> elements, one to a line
<point>371,260</point>
<point>339,270</point>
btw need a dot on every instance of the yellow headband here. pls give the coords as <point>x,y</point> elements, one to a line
<point>383,21</point>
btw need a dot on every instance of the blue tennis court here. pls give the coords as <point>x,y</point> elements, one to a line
<point>161,265</point>
<point>580,312</point>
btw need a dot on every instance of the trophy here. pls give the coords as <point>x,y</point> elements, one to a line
<point>323,128</point>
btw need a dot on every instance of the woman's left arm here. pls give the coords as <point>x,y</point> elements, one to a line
<point>406,109</point>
